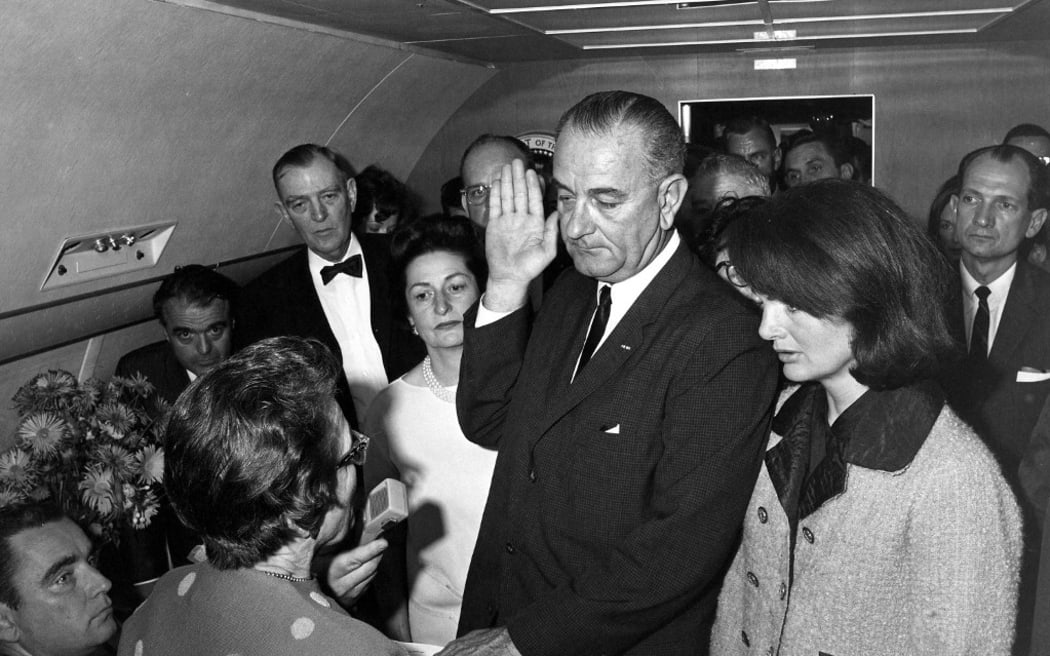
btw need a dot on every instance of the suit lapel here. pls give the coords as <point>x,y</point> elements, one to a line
<point>625,340</point>
<point>1016,318</point>
<point>374,253</point>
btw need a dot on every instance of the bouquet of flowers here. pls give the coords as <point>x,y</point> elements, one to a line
<point>92,447</point>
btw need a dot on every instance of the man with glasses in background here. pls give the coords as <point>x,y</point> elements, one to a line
<point>480,168</point>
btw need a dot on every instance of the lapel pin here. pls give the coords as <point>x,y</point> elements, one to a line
<point>625,347</point>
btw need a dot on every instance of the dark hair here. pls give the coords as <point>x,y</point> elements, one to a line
<point>741,125</point>
<point>13,520</point>
<point>450,194</point>
<point>1026,130</point>
<point>940,201</point>
<point>196,285</point>
<point>249,447</point>
<point>503,139</point>
<point>599,113</point>
<point>454,234</point>
<point>379,188</point>
<point>695,154</point>
<point>843,250</point>
<point>834,146</point>
<point>1005,153</point>
<point>728,210</point>
<point>304,155</point>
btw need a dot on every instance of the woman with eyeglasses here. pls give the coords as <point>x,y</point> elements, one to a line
<point>260,462</point>
<point>879,524</point>
<point>417,438</point>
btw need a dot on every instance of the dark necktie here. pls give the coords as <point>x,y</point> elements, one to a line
<point>981,321</point>
<point>351,267</point>
<point>598,323</point>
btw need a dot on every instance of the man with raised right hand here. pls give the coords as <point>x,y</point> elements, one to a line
<point>630,415</point>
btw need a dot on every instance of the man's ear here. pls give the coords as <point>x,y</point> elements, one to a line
<point>846,171</point>
<point>777,155</point>
<point>9,630</point>
<point>282,214</point>
<point>671,195</point>
<point>1038,218</point>
<point>351,192</point>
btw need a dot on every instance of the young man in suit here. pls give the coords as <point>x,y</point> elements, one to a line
<point>1000,387</point>
<point>630,416</point>
<point>1004,320</point>
<point>194,306</point>
<point>334,290</point>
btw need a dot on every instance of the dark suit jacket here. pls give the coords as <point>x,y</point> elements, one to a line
<point>158,364</point>
<point>617,499</point>
<point>282,301</point>
<point>1002,410</point>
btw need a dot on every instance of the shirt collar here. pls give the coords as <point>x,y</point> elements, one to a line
<point>999,287</point>
<point>626,292</point>
<point>317,262</point>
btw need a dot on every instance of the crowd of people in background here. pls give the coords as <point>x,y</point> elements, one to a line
<point>661,399</point>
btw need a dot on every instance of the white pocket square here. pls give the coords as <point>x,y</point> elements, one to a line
<point>1027,375</point>
<point>615,430</point>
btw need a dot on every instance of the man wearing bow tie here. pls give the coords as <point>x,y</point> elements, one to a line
<point>333,290</point>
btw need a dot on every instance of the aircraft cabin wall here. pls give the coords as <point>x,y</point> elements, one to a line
<point>933,104</point>
<point>118,113</point>
<point>126,112</point>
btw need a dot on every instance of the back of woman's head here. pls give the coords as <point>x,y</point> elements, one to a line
<point>250,452</point>
<point>843,250</point>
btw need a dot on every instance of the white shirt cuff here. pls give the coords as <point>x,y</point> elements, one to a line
<point>487,316</point>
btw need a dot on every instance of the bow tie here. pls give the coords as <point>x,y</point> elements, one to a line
<point>351,267</point>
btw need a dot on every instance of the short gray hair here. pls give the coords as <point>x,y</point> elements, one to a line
<point>599,113</point>
<point>735,166</point>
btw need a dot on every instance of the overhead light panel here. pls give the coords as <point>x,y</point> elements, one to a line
<point>614,5</point>
<point>824,37</point>
<point>791,21</point>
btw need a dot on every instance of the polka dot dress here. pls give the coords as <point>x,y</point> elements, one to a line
<point>205,611</point>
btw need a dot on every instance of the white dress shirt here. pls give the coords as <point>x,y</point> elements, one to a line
<point>348,308</point>
<point>999,289</point>
<point>623,294</point>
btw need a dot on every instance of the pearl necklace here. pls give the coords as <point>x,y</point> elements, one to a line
<point>286,577</point>
<point>436,387</point>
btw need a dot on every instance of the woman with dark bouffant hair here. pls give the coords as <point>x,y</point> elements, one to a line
<point>879,524</point>
<point>416,436</point>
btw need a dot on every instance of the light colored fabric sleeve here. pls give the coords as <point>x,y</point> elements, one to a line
<point>964,554</point>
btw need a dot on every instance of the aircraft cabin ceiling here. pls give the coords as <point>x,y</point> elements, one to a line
<point>504,31</point>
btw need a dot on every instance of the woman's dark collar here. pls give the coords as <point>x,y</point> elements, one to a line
<point>882,429</point>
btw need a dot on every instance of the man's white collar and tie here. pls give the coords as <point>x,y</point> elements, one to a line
<point>343,290</point>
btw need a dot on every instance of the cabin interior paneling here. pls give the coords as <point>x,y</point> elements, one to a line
<point>117,113</point>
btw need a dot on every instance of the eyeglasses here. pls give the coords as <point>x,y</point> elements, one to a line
<point>476,194</point>
<point>358,451</point>
<point>730,273</point>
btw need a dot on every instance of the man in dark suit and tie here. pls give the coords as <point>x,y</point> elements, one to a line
<point>194,306</point>
<point>630,415</point>
<point>1002,383</point>
<point>334,290</point>
<point>1000,387</point>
